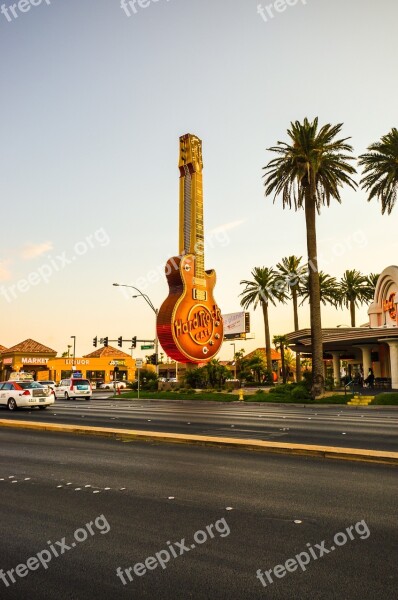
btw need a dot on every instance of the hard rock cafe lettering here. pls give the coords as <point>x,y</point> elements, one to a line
<point>200,325</point>
<point>189,324</point>
<point>390,306</point>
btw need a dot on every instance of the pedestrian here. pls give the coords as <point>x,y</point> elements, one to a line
<point>370,379</point>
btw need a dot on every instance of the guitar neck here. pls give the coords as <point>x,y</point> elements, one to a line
<point>191,201</point>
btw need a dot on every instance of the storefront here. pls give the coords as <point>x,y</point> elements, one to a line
<point>374,345</point>
<point>28,356</point>
<point>102,366</point>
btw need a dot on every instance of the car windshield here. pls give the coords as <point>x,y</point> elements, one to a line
<point>25,385</point>
<point>81,382</point>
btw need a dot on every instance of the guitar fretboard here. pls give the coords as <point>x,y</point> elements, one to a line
<point>191,202</point>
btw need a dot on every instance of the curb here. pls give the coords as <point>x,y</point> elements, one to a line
<point>363,455</point>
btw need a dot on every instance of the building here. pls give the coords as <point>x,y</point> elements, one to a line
<point>42,362</point>
<point>374,345</point>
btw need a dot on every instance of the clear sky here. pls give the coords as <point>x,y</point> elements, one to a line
<point>93,102</point>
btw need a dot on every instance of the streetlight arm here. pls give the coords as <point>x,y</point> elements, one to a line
<point>145,296</point>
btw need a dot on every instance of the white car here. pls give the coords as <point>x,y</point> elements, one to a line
<point>48,383</point>
<point>74,387</point>
<point>110,386</point>
<point>17,394</point>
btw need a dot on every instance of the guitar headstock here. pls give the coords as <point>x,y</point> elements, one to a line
<point>191,152</point>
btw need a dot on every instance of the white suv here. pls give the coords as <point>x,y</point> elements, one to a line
<point>74,388</point>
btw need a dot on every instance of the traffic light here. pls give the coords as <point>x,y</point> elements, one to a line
<point>153,359</point>
<point>120,341</point>
<point>95,341</point>
<point>106,342</point>
<point>134,342</point>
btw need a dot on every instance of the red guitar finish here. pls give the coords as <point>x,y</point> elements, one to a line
<point>189,330</point>
<point>189,323</point>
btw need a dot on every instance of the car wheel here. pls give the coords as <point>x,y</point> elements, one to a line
<point>11,404</point>
<point>67,396</point>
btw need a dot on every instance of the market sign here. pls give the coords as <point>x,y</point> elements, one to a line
<point>35,361</point>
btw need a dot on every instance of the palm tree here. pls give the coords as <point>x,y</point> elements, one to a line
<point>328,289</point>
<point>354,290</point>
<point>263,290</point>
<point>381,170</point>
<point>293,271</point>
<point>280,342</point>
<point>307,174</point>
<point>372,282</point>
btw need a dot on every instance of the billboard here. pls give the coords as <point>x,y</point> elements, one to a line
<point>236,325</point>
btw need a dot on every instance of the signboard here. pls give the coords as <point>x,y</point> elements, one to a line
<point>118,363</point>
<point>77,375</point>
<point>150,347</point>
<point>7,361</point>
<point>34,361</point>
<point>236,325</point>
<point>138,363</point>
<point>21,376</point>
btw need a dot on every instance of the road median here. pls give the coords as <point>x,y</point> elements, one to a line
<point>125,435</point>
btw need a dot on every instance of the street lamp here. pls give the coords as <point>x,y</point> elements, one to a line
<point>155,310</point>
<point>73,337</point>
<point>233,344</point>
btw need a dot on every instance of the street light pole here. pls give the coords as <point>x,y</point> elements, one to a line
<point>233,344</point>
<point>73,337</point>
<point>155,310</point>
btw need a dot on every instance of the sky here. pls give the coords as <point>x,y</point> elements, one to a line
<point>94,99</point>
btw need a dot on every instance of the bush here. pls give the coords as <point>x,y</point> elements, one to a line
<point>300,393</point>
<point>284,388</point>
<point>307,379</point>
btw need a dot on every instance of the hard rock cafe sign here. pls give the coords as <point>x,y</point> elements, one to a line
<point>390,306</point>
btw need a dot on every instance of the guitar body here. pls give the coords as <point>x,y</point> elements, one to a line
<point>189,323</point>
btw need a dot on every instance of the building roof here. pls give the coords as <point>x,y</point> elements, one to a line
<point>3,349</point>
<point>30,346</point>
<point>261,351</point>
<point>107,351</point>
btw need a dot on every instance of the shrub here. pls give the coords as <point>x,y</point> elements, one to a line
<point>300,393</point>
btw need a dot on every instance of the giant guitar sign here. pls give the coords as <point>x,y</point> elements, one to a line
<point>189,324</point>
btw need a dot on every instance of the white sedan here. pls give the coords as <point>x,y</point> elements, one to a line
<point>110,386</point>
<point>17,394</point>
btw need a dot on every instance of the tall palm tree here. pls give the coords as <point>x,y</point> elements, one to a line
<point>328,289</point>
<point>293,271</point>
<point>381,170</point>
<point>354,290</point>
<point>372,282</point>
<point>308,172</point>
<point>263,290</point>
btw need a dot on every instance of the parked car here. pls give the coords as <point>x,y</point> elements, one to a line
<point>17,394</point>
<point>112,384</point>
<point>48,383</point>
<point>74,388</point>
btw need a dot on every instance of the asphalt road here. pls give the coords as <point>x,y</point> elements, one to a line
<point>264,511</point>
<point>368,428</point>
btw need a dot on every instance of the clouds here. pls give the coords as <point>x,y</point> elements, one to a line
<point>31,251</point>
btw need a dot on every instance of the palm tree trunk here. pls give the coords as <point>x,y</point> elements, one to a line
<point>296,328</point>
<point>318,379</point>
<point>352,313</point>
<point>267,337</point>
<point>282,347</point>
